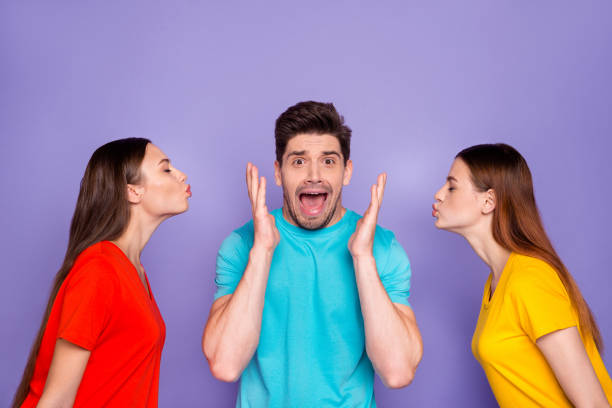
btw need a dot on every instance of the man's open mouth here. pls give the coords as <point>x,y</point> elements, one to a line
<point>312,202</point>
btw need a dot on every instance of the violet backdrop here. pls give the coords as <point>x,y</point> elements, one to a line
<point>416,81</point>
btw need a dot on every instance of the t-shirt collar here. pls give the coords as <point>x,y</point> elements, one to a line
<point>283,223</point>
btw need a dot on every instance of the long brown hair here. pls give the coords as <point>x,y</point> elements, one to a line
<point>102,213</point>
<point>517,225</point>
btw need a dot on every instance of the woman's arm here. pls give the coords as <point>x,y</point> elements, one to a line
<point>67,368</point>
<point>566,355</point>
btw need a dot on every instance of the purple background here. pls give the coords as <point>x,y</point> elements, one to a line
<point>417,82</point>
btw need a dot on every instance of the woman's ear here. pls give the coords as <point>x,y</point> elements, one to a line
<point>134,193</point>
<point>490,201</point>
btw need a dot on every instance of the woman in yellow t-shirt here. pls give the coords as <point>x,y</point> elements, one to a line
<point>536,337</point>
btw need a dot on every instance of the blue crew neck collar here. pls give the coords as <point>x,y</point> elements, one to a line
<point>281,221</point>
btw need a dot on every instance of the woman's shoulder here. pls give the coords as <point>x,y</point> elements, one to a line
<point>100,257</point>
<point>526,262</point>
<point>530,273</point>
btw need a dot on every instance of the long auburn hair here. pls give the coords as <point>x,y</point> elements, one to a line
<point>517,225</point>
<point>102,213</point>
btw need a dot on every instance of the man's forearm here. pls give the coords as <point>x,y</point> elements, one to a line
<point>232,332</point>
<point>393,341</point>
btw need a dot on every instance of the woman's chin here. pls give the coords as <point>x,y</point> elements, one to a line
<point>437,224</point>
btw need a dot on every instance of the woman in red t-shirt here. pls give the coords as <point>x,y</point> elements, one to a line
<point>101,337</point>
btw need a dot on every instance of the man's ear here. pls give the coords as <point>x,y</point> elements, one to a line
<point>490,201</point>
<point>348,172</point>
<point>277,173</point>
<point>134,193</point>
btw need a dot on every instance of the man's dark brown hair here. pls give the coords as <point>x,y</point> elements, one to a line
<point>311,117</point>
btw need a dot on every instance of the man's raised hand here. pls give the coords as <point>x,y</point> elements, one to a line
<point>266,235</point>
<point>362,240</point>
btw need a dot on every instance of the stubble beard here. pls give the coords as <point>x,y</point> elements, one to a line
<point>309,226</point>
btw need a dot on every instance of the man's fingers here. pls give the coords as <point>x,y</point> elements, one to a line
<point>255,185</point>
<point>261,194</point>
<point>252,183</point>
<point>380,186</point>
<point>373,207</point>
<point>248,181</point>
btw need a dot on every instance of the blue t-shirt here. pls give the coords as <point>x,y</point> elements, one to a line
<point>311,350</point>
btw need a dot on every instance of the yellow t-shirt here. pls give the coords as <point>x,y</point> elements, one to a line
<point>529,302</point>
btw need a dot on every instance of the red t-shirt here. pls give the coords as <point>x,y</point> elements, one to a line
<point>103,307</point>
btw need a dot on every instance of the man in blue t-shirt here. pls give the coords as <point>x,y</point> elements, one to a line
<point>311,298</point>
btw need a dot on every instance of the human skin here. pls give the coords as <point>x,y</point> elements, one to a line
<point>312,164</point>
<point>459,207</point>
<point>393,340</point>
<point>161,194</point>
<point>232,332</point>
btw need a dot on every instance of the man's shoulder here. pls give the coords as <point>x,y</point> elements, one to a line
<point>386,236</point>
<point>241,236</point>
<point>244,234</point>
<point>382,237</point>
<point>246,230</point>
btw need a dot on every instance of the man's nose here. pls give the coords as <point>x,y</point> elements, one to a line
<point>314,173</point>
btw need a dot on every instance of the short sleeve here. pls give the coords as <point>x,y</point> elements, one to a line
<point>232,259</point>
<point>396,274</point>
<point>87,304</point>
<point>541,302</point>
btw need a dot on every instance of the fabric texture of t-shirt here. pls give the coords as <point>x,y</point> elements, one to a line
<point>103,307</point>
<point>311,351</point>
<point>529,302</point>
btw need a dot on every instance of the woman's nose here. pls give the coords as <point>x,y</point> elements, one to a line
<point>182,176</point>
<point>438,196</point>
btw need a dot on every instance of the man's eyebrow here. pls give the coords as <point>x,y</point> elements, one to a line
<point>163,160</point>
<point>297,153</point>
<point>451,178</point>
<point>332,152</point>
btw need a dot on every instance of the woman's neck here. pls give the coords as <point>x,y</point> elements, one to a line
<point>135,238</point>
<point>493,254</point>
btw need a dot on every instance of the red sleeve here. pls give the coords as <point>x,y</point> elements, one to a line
<point>87,305</point>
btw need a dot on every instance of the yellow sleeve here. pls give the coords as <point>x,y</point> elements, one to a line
<point>540,300</point>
